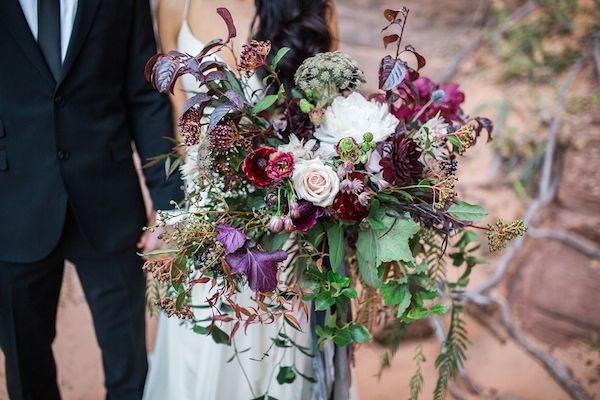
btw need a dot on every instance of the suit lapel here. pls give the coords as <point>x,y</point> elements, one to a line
<point>18,27</point>
<point>86,10</point>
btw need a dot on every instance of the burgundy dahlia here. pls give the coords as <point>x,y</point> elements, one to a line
<point>306,215</point>
<point>255,167</point>
<point>280,166</point>
<point>400,161</point>
<point>347,206</point>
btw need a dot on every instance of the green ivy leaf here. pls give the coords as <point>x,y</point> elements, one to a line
<point>467,212</point>
<point>286,375</point>
<point>438,309</point>
<point>280,54</point>
<point>417,313</point>
<point>264,103</point>
<point>359,333</point>
<point>392,242</point>
<point>219,336</point>
<point>366,249</point>
<point>335,239</point>
<point>323,301</point>
<point>200,330</point>
<point>275,241</point>
<point>343,337</point>
<point>350,293</point>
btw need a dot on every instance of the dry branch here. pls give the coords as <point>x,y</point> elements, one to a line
<point>567,238</point>
<point>483,37</point>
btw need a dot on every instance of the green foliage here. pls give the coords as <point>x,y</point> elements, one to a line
<point>464,211</point>
<point>417,380</point>
<point>335,240</point>
<point>453,352</point>
<point>286,375</point>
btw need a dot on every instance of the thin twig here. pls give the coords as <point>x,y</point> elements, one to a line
<point>557,371</point>
<point>567,238</point>
<point>482,38</point>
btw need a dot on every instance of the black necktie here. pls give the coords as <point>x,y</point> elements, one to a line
<point>49,34</point>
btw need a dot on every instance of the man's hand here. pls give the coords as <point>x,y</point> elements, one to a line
<point>150,240</point>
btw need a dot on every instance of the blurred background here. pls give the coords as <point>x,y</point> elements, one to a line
<point>534,310</point>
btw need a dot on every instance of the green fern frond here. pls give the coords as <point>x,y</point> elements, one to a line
<point>417,380</point>
<point>453,352</point>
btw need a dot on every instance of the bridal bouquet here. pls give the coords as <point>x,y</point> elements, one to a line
<point>316,196</point>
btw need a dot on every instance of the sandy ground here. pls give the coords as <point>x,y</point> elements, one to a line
<point>503,370</point>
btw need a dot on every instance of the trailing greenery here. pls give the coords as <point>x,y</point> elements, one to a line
<point>417,380</point>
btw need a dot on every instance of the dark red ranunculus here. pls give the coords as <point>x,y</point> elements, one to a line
<point>281,165</point>
<point>400,160</point>
<point>348,207</point>
<point>307,215</point>
<point>255,167</point>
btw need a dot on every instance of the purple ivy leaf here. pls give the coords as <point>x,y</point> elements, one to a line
<point>200,99</point>
<point>235,98</point>
<point>219,113</point>
<point>259,267</point>
<point>391,73</point>
<point>231,238</point>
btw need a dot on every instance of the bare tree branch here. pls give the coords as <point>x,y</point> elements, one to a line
<point>560,374</point>
<point>567,238</point>
<point>481,39</point>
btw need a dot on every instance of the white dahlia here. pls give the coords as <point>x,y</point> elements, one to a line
<point>353,116</point>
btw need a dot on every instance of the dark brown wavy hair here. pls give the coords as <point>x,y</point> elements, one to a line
<point>301,25</point>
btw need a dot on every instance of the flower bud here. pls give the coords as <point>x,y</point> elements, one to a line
<point>368,137</point>
<point>288,225</point>
<point>305,106</point>
<point>437,95</point>
<point>276,224</point>
<point>294,209</point>
<point>317,116</point>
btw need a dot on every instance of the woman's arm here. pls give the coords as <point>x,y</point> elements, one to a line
<point>332,19</point>
<point>169,19</point>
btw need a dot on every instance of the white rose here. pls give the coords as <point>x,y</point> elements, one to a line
<point>353,116</point>
<point>315,182</point>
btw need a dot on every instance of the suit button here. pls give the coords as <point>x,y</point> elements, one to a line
<point>63,155</point>
<point>59,100</point>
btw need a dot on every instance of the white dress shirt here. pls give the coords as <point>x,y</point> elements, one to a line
<point>68,9</point>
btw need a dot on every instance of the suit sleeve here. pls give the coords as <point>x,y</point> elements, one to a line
<point>149,111</point>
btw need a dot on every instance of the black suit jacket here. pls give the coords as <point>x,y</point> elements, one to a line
<point>70,141</point>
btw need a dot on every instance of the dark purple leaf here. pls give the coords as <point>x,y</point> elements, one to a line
<point>259,267</point>
<point>226,15</point>
<point>208,47</point>
<point>218,113</point>
<point>390,14</point>
<point>420,59</point>
<point>200,99</point>
<point>211,64</point>
<point>390,39</point>
<point>391,73</point>
<point>215,76</point>
<point>235,98</point>
<point>231,238</point>
<point>162,70</point>
<point>484,123</point>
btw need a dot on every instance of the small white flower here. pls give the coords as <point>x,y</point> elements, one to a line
<point>430,139</point>
<point>300,150</point>
<point>315,182</point>
<point>364,198</point>
<point>353,116</point>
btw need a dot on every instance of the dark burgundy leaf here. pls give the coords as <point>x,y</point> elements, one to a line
<point>235,98</point>
<point>164,69</point>
<point>210,64</point>
<point>215,76</point>
<point>208,47</point>
<point>390,14</point>
<point>200,99</point>
<point>484,123</point>
<point>226,15</point>
<point>231,238</point>
<point>259,267</point>
<point>391,73</point>
<point>218,113</point>
<point>420,59</point>
<point>390,39</point>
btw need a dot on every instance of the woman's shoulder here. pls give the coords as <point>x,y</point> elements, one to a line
<point>169,16</point>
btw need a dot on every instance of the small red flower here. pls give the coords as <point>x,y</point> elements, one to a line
<point>281,165</point>
<point>255,167</point>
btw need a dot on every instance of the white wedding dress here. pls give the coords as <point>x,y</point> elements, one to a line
<point>188,366</point>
